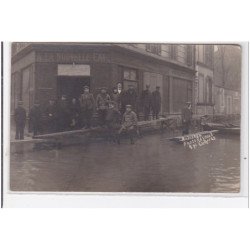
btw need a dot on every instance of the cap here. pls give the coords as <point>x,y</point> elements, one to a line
<point>86,87</point>
<point>128,106</point>
<point>103,88</point>
<point>188,102</point>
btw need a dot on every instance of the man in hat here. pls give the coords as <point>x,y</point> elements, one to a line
<point>63,114</point>
<point>51,116</point>
<point>129,124</point>
<point>35,117</point>
<point>113,119</point>
<point>20,119</point>
<point>130,97</point>
<point>87,104</point>
<point>186,118</point>
<point>146,101</point>
<point>156,102</point>
<point>102,101</point>
<point>74,108</point>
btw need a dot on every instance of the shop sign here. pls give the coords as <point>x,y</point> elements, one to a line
<point>71,57</point>
<point>73,70</point>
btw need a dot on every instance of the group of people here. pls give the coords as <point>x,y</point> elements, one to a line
<point>116,112</point>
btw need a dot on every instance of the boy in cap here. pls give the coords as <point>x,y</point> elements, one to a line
<point>20,119</point>
<point>186,118</point>
<point>102,101</point>
<point>129,123</point>
<point>87,104</point>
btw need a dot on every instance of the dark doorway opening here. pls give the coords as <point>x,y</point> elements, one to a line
<point>71,86</point>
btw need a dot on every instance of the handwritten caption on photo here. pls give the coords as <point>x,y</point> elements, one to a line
<point>197,140</point>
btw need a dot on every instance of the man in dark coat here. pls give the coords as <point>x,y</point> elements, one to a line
<point>35,117</point>
<point>63,114</point>
<point>186,118</point>
<point>102,102</point>
<point>130,97</point>
<point>146,101</point>
<point>87,105</point>
<point>156,102</point>
<point>51,117</point>
<point>20,119</point>
<point>74,109</point>
<point>113,119</point>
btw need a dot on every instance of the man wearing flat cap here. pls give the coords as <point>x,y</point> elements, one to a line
<point>156,102</point>
<point>186,118</point>
<point>102,102</point>
<point>20,119</point>
<point>87,104</point>
<point>35,117</point>
<point>146,101</point>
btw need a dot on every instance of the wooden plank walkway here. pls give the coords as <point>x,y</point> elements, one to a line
<point>141,124</point>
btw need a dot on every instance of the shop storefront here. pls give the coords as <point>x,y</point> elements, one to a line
<point>47,71</point>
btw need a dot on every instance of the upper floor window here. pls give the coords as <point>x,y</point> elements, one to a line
<point>201,53</point>
<point>166,50</point>
<point>153,48</point>
<point>209,55</point>
<point>181,53</point>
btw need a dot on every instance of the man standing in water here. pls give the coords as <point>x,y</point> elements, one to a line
<point>186,118</point>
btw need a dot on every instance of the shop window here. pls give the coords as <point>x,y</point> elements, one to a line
<point>153,48</point>
<point>130,77</point>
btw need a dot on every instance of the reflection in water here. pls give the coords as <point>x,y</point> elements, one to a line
<point>153,164</point>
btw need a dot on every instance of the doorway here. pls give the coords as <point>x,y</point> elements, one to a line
<point>71,86</point>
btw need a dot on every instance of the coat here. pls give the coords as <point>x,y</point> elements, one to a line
<point>87,101</point>
<point>186,115</point>
<point>156,100</point>
<point>20,116</point>
<point>129,119</point>
<point>146,98</point>
<point>113,116</point>
<point>35,115</point>
<point>102,101</point>
<point>130,97</point>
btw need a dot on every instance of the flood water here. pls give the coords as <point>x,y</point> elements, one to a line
<point>153,164</point>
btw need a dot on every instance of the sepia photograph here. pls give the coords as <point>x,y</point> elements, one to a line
<point>125,117</point>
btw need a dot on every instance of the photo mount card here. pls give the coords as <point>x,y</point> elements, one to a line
<point>116,124</point>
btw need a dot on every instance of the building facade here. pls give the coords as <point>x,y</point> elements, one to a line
<point>43,71</point>
<point>204,87</point>
<point>227,101</point>
<point>227,78</point>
